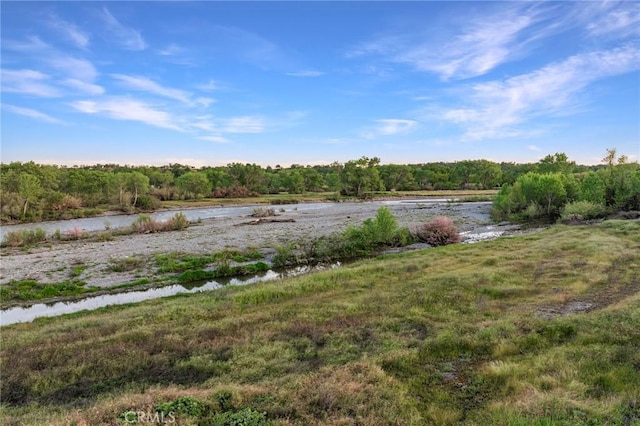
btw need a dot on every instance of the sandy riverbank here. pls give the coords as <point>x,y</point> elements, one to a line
<point>55,262</point>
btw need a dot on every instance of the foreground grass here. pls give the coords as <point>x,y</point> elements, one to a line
<point>541,329</point>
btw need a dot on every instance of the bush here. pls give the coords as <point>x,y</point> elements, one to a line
<point>244,417</point>
<point>582,210</point>
<point>439,232</point>
<point>178,222</point>
<point>147,202</point>
<point>145,224</point>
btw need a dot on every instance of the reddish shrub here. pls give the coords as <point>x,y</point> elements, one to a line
<point>439,232</point>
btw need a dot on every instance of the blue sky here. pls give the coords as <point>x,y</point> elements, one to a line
<point>209,83</point>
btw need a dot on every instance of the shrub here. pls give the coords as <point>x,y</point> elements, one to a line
<point>178,222</point>
<point>74,233</point>
<point>13,239</point>
<point>285,256</point>
<point>147,202</point>
<point>184,405</point>
<point>438,232</point>
<point>582,210</point>
<point>145,224</point>
<point>244,417</point>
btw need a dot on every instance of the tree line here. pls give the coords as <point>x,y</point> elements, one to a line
<point>558,192</point>
<point>31,192</point>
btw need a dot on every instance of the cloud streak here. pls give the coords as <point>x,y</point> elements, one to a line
<point>127,37</point>
<point>498,106</point>
<point>486,42</point>
<point>122,108</point>
<point>69,31</point>
<point>28,82</point>
<point>390,127</point>
<point>147,85</point>
<point>31,113</point>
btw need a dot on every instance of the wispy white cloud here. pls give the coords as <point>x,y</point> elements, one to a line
<point>204,102</point>
<point>122,108</point>
<point>32,44</point>
<point>171,50</point>
<point>31,113</point>
<point>80,69</point>
<point>84,87</point>
<point>69,31</point>
<point>147,85</point>
<point>28,82</point>
<point>481,45</point>
<point>129,38</point>
<point>306,73</point>
<point>533,148</point>
<point>390,127</point>
<point>214,138</point>
<point>245,124</point>
<point>497,107</point>
<point>249,47</point>
<point>209,86</point>
<point>620,18</point>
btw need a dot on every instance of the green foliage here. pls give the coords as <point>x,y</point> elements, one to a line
<point>582,210</point>
<point>361,176</point>
<point>223,269</point>
<point>244,417</point>
<point>194,184</point>
<point>593,189</point>
<point>186,405</point>
<point>285,256</point>
<point>26,290</point>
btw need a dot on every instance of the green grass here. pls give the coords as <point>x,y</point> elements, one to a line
<point>26,290</point>
<point>448,335</point>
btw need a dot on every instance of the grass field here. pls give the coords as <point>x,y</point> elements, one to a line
<point>542,329</point>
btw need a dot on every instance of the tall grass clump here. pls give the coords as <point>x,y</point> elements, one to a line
<point>438,232</point>
<point>178,222</point>
<point>145,224</point>
<point>24,237</point>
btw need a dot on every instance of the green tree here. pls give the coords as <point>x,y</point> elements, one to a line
<point>313,180</point>
<point>30,189</point>
<point>137,184</point>
<point>194,184</point>
<point>556,163</point>
<point>360,176</point>
<point>592,188</point>
<point>292,181</point>
<point>397,177</point>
